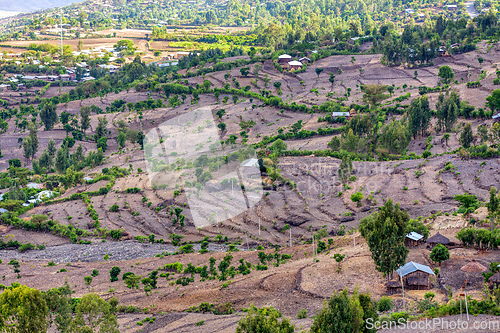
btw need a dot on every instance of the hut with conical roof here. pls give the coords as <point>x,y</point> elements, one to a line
<point>438,239</point>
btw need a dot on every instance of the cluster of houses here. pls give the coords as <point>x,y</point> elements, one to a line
<point>414,275</point>
<point>287,63</point>
<point>70,75</point>
<point>99,52</point>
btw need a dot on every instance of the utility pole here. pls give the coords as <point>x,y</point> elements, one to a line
<point>466,307</point>
<point>61,36</point>
<point>354,234</point>
<point>259,226</point>
<point>403,289</point>
<point>347,259</point>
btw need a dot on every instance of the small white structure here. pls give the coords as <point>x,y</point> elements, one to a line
<point>295,64</point>
<point>340,114</point>
<point>284,58</point>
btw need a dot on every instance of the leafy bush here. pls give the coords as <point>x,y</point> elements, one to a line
<point>302,314</point>
<point>114,272</point>
<point>174,267</point>
<point>384,304</point>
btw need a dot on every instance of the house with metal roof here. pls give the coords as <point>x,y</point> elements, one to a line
<point>340,114</point>
<point>415,275</point>
<point>284,58</point>
<point>293,65</point>
<point>413,239</point>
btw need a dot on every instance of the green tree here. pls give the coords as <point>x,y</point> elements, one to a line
<point>126,46</point>
<point>264,320</point>
<point>334,144</point>
<point>385,232</point>
<point>45,160</point>
<point>439,254</point>
<point>48,115</point>
<point>446,73</point>
<point>331,78</point>
<point>113,273</point>
<point>278,147</point>
<point>121,138</point>
<point>84,118</point>
<point>64,117</point>
<point>493,206</point>
<point>132,281</point>
<point>466,137</point>
<point>447,108</point>
<point>446,137</point>
<point>318,71</point>
<point>440,25</point>
<point>345,169</point>
<point>224,265</point>
<point>51,147</point>
<point>59,304</point>
<point>493,101</point>
<point>88,280</point>
<point>101,128</point>
<point>345,314</point>
<point>420,116</point>
<point>357,197</point>
<point>23,310</point>
<point>373,93</point>
<point>34,138</point>
<point>27,148</point>
<point>468,203</point>
<point>395,136</point>
<point>93,314</point>
<point>102,143</point>
<point>482,131</point>
<point>245,71</point>
<point>222,126</point>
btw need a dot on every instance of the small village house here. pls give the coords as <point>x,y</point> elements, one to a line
<point>340,114</point>
<point>284,59</point>
<point>415,275</point>
<point>413,239</point>
<point>494,280</point>
<point>294,65</point>
<point>438,239</point>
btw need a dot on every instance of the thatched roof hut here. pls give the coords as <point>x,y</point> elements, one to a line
<point>438,239</point>
<point>495,278</point>
<point>393,287</point>
<point>393,284</point>
<point>473,267</point>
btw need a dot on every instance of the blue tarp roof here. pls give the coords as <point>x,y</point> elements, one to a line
<point>414,236</point>
<point>411,267</point>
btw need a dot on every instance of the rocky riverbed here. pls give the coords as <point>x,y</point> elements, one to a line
<point>123,250</point>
